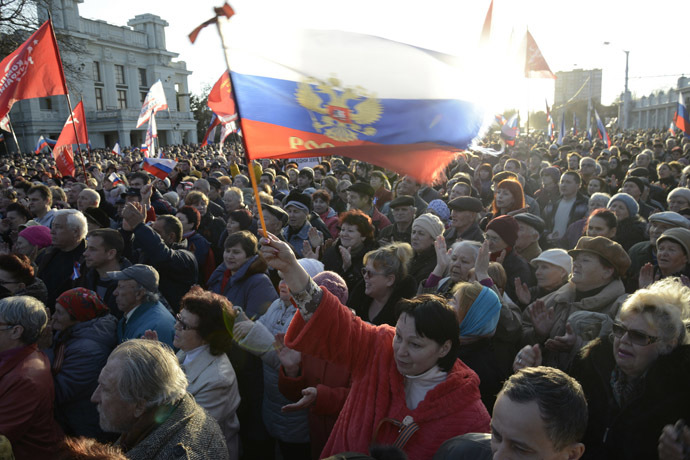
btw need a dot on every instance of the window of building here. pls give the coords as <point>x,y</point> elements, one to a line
<point>121,99</point>
<point>119,74</point>
<point>142,77</point>
<point>96,71</point>
<point>142,96</point>
<point>45,103</point>
<point>99,98</point>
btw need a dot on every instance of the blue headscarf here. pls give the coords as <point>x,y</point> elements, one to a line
<point>482,317</point>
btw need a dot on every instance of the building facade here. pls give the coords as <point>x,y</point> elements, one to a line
<point>111,76</point>
<point>577,85</point>
<point>656,110</point>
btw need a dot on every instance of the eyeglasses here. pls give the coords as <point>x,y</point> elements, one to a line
<point>185,326</point>
<point>492,238</point>
<point>366,273</point>
<point>636,337</point>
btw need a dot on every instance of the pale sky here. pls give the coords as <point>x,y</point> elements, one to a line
<point>570,34</point>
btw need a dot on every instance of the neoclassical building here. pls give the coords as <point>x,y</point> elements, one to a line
<point>656,110</point>
<point>112,76</point>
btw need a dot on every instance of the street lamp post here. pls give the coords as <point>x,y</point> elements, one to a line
<point>625,111</point>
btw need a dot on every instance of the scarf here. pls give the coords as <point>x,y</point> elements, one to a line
<point>226,277</point>
<point>625,388</point>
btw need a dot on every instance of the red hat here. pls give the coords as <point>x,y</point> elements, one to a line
<point>506,227</point>
<point>82,304</point>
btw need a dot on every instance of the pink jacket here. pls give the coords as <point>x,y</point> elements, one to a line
<point>450,409</point>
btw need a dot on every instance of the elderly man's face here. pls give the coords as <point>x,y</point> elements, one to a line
<point>128,295</point>
<point>63,236</point>
<point>85,200</point>
<point>115,415</point>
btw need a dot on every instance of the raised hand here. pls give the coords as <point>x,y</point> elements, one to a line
<point>315,237</point>
<point>529,356</point>
<point>150,334</point>
<point>522,291</point>
<point>277,253</point>
<point>646,276</point>
<point>308,400</point>
<point>543,318</point>
<point>442,256</point>
<point>674,442</point>
<point>346,256</point>
<point>133,214</point>
<point>146,192</point>
<point>562,343</point>
<point>290,359</point>
<point>481,266</point>
<point>241,329</point>
<point>308,252</point>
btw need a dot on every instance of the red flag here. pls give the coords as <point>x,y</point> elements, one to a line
<point>220,99</point>
<point>486,30</point>
<point>535,64</point>
<point>225,10</point>
<point>32,70</point>
<point>62,152</point>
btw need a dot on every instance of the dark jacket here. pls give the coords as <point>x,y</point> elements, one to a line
<point>577,212</point>
<point>423,264</point>
<point>57,270</point>
<point>175,264</point>
<point>92,280</point>
<point>631,231</point>
<point>631,432</point>
<point>481,357</point>
<point>37,290</point>
<point>391,234</point>
<point>333,261</point>
<point>87,346</point>
<point>189,432</point>
<point>515,266</point>
<point>360,302</point>
<point>249,287</point>
<point>472,233</point>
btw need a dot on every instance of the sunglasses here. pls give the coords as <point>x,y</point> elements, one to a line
<point>366,273</point>
<point>636,337</point>
<point>185,326</point>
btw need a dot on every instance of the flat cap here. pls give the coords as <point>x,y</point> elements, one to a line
<point>402,200</point>
<point>466,203</point>
<point>362,188</point>
<point>533,221</point>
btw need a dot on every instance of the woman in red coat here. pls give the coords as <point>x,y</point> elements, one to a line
<point>408,387</point>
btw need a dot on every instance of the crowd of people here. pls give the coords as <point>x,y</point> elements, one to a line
<point>531,303</point>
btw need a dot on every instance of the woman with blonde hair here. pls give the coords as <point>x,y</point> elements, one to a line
<point>385,280</point>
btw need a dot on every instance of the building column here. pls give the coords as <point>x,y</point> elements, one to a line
<point>123,138</point>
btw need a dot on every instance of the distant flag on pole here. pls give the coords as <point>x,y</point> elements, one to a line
<point>5,123</point>
<point>43,143</point>
<point>151,134</point>
<point>293,105</point>
<point>682,118</point>
<point>535,64</point>
<point>226,130</point>
<point>159,167</point>
<point>74,126</point>
<point>114,179</point>
<point>672,129</point>
<point>602,129</point>
<point>589,134</point>
<point>500,119</point>
<point>486,30</point>
<point>116,149</point>
<point>511,130</point>
<point>561,132</point>
<point>154,102</point>
<point>32,70</point>
<point>211,131</point>
<point>549,123</point>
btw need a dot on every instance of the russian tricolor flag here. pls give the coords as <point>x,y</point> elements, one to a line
<point>115,179</point>
<point>159,167</point>
<point>388,103</point>
<point>681,117</point>
<point>511,130</point>
<point>602,130</point>
<point>43,143</point>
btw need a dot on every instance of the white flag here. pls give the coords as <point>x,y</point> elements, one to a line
<point>151,134</point>
<point>155,101</point>
<point>225,131</point>
<point>5,123</point>
<point>116,149</point>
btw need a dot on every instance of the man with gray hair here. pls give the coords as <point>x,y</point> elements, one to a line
<point>88,198</point>
<point>26,383</point>
<point>137,298</point>
<point>142,394</point>
<point>59,265</point>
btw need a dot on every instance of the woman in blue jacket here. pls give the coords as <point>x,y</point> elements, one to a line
<point>85,334</point>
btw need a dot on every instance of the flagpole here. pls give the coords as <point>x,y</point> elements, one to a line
<point>250,165</point>
<point>14,135</point>
<point>69,102</point>
<point>88,145</point>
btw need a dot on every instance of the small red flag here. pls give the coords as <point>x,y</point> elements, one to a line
<point>220,99</point>
<point>62,152</point>
<point>535,64</point>
<point>32,70</point>
<point>225,10</point>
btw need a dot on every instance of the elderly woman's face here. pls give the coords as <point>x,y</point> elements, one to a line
<point>461,262</point>
<point>415,354</point>
<point>420,239</point>
<point>671,257</point>
<point>677,202</point>
<point>496,243</point>
<point>620,210</point>
<point>588,271</point>
<point>549,276</point>
<point>61,319</point>
<point>186,331</point>
<point>632,355</point>
<point>350,236</point>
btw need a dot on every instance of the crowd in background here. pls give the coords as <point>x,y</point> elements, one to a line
<point>152,318</point>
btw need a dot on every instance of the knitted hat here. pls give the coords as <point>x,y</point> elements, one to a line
<point>308,172</point>
<point>312,266</point>
<point>242,217</point>
<point>440,208</point>
<point>37,235</point>
<point>82,304</point>
<point>639,182</point>
<point>334,284</point>
<point>506,227</point>
<point>627,200</point>
<point>430,224</point>
<point>682,192</point>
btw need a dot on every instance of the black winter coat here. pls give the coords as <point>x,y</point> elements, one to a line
<point>631,432</point>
